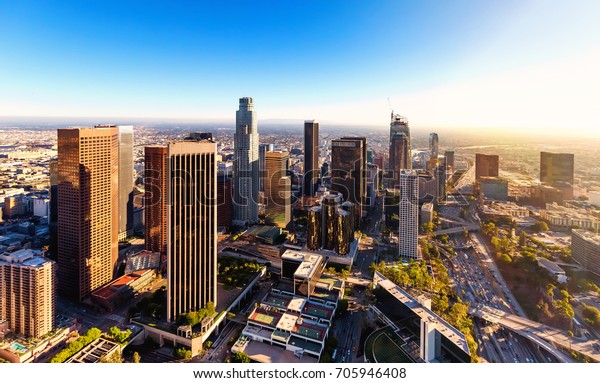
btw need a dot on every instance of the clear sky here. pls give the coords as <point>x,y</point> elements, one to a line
<point>530,65</point>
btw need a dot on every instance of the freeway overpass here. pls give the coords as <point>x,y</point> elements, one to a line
<point>544,336</point>
<point>459,229</point>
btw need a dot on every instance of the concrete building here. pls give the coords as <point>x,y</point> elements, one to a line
<point>41,207</point>
<point>311,157</point>
<point>155,198</point>
<point>28,293</point>
<point>294,317</point>
<point>486,165</point>
<point>494,188</point>
<point>88,209</point>
<point>557,167</point>
<point>278,207</point>
<point>567,217</point>
<point>245,165</point>
<point>408,214</point>
<point>347,172</point>
<point>14,206</point>
<point>426,213</point>
<point>191,226</point>
<point>586,249</point>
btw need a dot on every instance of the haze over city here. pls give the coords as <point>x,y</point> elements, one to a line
<point>530,66</point>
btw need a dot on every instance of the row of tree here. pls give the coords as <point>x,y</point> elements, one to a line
<point>76,345</point>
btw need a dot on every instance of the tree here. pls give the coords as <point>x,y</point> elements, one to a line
<point>240,357</point>
<point>344,274</point>
<point>506,258</point>
<point>540,226</point>
<point>136,357</point>
<point>117,335</point>
<point>183,353</point>
<point>523,239</point>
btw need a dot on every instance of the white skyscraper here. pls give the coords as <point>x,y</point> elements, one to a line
<point>408,213</point>
<point>246,165</point>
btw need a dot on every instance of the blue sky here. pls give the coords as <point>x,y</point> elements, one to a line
<point>515,63</point>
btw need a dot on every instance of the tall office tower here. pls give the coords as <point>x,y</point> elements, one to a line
<point>52,220</point>
<point>347,172</point>
<point>125,181</point>
<point>557,167</point>
<point>278,189</point>
<point>434,146</point>
<point>440,176</point>
<point>27,292</point>
<point>88,209</point>
<point>330,204</point>
<point>363,172</point>
<point>245,165</point>
<point>224,200</point>
<point>262,155</point>
<point>314,228</point>
<point>192,226</point>
<point>449,158</point>
<point>408,214</point>
<point>400,157</point>
<point>311,157</point>
<point>486,165</point>
<point>155,198</point>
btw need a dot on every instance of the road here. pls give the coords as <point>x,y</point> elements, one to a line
<point>477,281</point>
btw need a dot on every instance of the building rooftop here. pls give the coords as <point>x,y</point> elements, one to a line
<point>287,322</point>
<point>550,266</point>
<point>443,327</point>
<point>308,262</point>
<point>588,235</point>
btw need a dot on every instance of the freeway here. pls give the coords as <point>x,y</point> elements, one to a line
<point>532,330</point>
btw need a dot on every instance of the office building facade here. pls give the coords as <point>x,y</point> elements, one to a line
<point>278,190</point>
<point>88,209</point>
<point>399,157</point>
<point>245,164</point>
<point>408,214</point>
<point>486,165</point>
<point>191,226</point>
<point>155,198</point>
<point>311,157</point>
<point>348,172</point>
<point>586,249</point>
<point>557,168</point>
<point>434,146</point>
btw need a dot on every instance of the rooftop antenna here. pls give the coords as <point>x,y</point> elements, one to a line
<point>391,110</point>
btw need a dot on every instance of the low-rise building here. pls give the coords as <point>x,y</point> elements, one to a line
<point>494,188</point>
<point>426,213</point>
<point>586,249</point>
<point>572,217</point>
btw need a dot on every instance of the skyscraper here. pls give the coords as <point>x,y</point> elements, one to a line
<point>27,292</point>
<point>88,208</point>
<point>278,189</point>
<point>347,172</point>
<point>245,164</point>
<point>311,157</point>
<point>408,214</point>
<point>155,198</point>
<point>192,226</point>
<point>557,167</point>
<point>434,145</point>
<point>125,179</point>
<point>449,158</point>
<point>400,157</point>
<point>440,176</point>
<point>262,155</point>
<point>486,165</point>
